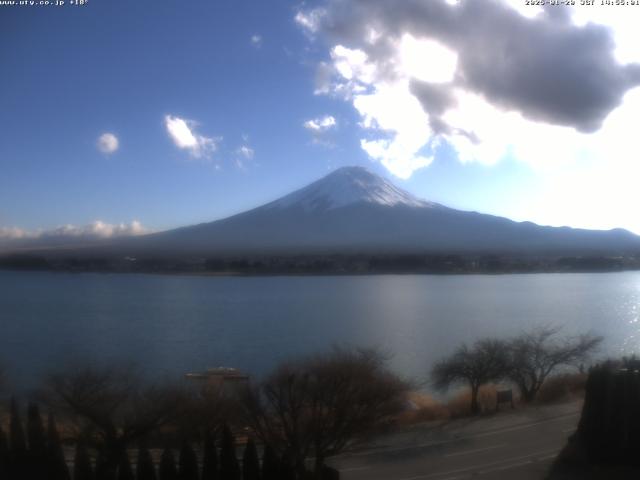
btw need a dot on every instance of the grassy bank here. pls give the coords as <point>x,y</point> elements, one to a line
<point>426,408</point>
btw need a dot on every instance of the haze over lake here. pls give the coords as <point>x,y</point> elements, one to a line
<point>170,325</point>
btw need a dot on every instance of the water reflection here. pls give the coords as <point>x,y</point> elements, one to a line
<point>178,324</point>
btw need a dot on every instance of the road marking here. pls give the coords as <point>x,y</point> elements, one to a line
<point>516,465</point>
<point>499,464</point>
<point>477,450</point>
<point>500,469</point>
<point>354,469</point>
<point>446,442</point>
<point>520,427</point>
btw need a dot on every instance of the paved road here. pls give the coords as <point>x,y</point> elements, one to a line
<point>516,445</point>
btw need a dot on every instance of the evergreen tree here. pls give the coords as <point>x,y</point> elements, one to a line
<point>4,454</point>
<point>287,470</point>
<point>125,472</point>
<point>82,469</point>
<point>58,469</point>
<point>16,432</point>
<point>104,470</point>
<point>329,473</point>
<point>250,462</point>
<point>18,459</point>
<point>168,470</point>
<point>188,462</point>
<point>35,431</point>
<point>229,468</point>
<point>210,459</point>
<point>37,452</point>
<point>145,469</point>
<point>270,464</point>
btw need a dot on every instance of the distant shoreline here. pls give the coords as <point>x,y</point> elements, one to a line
<point>326,265</point>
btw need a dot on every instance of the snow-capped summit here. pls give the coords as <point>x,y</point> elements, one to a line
<point>348,186</point>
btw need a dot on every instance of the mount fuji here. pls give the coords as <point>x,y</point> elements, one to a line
<point>354,210</point>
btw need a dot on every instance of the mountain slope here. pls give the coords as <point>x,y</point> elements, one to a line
<point>354,210</point>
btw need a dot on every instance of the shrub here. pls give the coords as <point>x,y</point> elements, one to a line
<point>4,454</point>
<point>125,472</point>
<point>58,469</point>
<point>424,408</point>
<point>145,469</point>
<point>562,387</point>
<point>229,468</point>
<point>250,462</point>
<point>18,458</point>
<point>270,464</point>
<point>82,469</point>
<point>168,470</point>
<point>459,405</point>
<point>210,459</point>
<point>188,463</point>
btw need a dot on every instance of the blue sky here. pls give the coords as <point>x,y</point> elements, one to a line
<point>176,112</point>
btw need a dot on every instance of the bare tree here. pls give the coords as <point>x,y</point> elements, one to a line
<point>207,408</point>
<point>112,406</point>
<point>321,405</point>
<point>486,361</point>
<point>534,355</point>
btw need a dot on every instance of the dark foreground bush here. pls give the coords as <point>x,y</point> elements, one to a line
<point>608,434</point>
<point>38,455</point>
<point>563,387</point>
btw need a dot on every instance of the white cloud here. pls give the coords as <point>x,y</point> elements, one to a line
<point>624,27</point>
<point>256,40</point>
<point>426,60</point>
<point>310,21</point>
<point>324,76</point>
<point>529,11</point>
<point>396,127</point>
<point>320,124</point>
<point>389,111</point>
<point>399,126</point>
<point>108,143</point>
<point>321,129</point>
<point>246,152</point>
<point>183,134</point>
<point>97,229</point>
<point>13,233</point>
<point>428,74</point>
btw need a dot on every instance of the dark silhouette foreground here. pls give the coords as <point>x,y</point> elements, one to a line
<point>302,414</point>
<point>606,444</point>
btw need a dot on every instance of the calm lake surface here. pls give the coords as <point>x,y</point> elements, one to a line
<point>170,325</point>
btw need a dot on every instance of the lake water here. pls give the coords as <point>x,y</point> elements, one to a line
<point>177,324</point>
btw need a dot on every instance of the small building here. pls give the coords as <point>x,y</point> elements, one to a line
<point>221,377</point>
